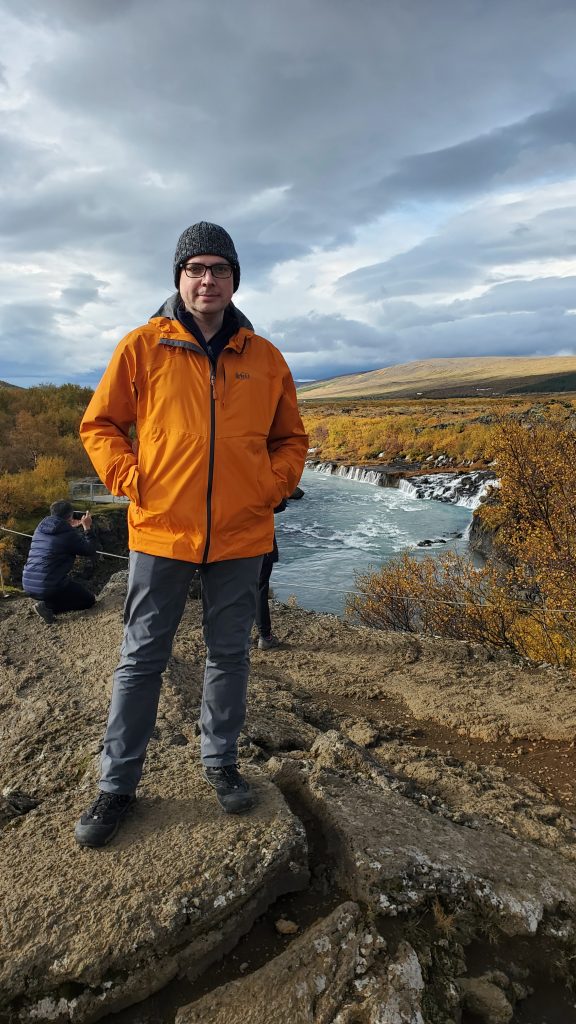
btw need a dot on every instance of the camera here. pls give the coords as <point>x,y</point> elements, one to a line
<point>78,515</point>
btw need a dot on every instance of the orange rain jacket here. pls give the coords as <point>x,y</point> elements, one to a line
<point>216,451</point>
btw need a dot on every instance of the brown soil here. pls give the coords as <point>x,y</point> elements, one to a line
<point>483,706</point>
<point>550,764</point>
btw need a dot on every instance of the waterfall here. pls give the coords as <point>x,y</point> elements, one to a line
<point>327,468</point>
<point>363,476</point>
<point>376,477</point>
<point>466,489</point>
<point>408,488</point>
<point>472,501</point>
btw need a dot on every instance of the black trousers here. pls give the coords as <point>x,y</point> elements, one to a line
<point>71,597</point>
<point>262,607</point>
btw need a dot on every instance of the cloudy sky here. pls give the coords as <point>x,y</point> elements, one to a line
<point>399,176</point>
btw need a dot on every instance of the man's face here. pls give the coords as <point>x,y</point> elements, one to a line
<point>206,294</point>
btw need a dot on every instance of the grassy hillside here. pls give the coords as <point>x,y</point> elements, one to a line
<point>452,378</point>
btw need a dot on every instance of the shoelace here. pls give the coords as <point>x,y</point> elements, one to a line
<point>232,774</point>
<point>103,804</point>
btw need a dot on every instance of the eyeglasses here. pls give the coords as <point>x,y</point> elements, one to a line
<point>199,269</point>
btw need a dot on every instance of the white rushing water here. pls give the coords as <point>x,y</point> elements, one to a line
<point>341,526</point>
<point>465,489</point>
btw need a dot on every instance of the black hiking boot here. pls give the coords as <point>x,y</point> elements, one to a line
<point>232,791</point>
<point>43,611</point>
<point>266,643</point>
<point>100,823</point>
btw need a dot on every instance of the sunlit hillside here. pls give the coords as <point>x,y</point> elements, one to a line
<point>445,378</point>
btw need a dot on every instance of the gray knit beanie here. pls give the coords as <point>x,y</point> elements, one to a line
<point>206,239</point>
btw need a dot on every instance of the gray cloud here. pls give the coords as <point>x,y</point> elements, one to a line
<point>69,14</point>
<point>327,333</point>
<point>300,127</point>
<point>83,288</point>
<point>539,296</point>
<point>323,346</point>
<point>531,296</point>
<point>290,110</point>
<point>474,165</point>
<point>466,250</point>
<point>522,334</point>
<point>500,334</point>
<point>27,334</point>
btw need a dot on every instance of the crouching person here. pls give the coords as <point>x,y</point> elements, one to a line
<point>56,542</point>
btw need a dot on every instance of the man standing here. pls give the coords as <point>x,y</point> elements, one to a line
<point>220,443</point>
<point>56,541</point>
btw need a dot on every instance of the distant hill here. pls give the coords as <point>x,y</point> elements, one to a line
<point>452,378</point>
<point>5,384</point>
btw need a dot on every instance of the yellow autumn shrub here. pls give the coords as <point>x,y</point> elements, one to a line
<point>526,604</point>
<point>32,490</point>
<point>443,596</point>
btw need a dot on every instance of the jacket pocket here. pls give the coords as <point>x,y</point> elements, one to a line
<point>272,491</point>
<point>130,485</point>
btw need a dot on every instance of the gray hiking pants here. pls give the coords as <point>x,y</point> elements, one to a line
<point>157,591</point>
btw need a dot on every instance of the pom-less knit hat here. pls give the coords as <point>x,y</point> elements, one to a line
<point>206,239</point>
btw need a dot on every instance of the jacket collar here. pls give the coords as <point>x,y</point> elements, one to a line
<point>174,330</point>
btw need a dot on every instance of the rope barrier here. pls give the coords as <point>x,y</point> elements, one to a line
<point>310,586</point>
<point>410,600</point>
<point>107,554</point>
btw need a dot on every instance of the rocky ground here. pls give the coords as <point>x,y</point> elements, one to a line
<point>412,857</point>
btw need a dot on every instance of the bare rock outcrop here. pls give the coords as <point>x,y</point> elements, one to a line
<point>396,833</point>
<point>486,1001</point>
<point>304,984</point>
<point>338,972</point>
<point>394,857</point>
<point>88,933</point>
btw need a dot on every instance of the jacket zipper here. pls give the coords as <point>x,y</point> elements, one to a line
<point>210,460</point>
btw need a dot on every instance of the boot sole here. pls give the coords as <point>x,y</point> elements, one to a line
<point>236,810</point>
<point>96,843</point>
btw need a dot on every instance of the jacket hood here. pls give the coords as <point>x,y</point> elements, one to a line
<point>168,309</point>
<point>53,524</point>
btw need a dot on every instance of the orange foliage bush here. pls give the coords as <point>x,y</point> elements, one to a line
<point>527,605</point>
<point>39,446</point>
<point>536,521</point>
<point>42,421</point>
<point>443,596</point>
<point>32,490</point>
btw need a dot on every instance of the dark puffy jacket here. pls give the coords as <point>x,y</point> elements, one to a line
<point>54,547</point>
